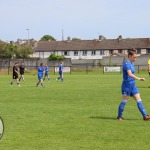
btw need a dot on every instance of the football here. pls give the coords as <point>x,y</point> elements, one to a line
<point>1,127</point>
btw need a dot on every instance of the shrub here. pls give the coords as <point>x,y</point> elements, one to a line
<point>55,57</point>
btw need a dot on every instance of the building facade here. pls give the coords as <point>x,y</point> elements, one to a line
<point>91,49</point>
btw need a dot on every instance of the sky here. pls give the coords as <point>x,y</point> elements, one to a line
<point>83,19</point>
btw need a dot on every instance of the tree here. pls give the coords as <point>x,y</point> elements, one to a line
<point>55,57</point>
<point>2,46</point>
<point>75,39</point>
<point>47,38</point>
<point>24,51</point>
<point>10,51</point>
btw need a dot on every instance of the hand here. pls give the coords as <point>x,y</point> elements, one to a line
<point>142,79</point>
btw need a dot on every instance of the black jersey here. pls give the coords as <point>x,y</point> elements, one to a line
<point>21,68</point>
<point>15,74</point>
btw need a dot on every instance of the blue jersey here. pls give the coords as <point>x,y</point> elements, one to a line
<point>40,72</point>
<point>60,68</point>
<point>128,85</point>
<point>128,66</point>
<point>46,70</point>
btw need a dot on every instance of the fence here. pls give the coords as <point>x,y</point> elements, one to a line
<point>76,69</point>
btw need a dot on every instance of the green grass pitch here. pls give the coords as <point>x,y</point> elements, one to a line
<point>79,113</point>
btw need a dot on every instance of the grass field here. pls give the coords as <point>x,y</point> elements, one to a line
<point>79,113</point>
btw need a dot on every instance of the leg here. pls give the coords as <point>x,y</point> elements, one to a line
<point>41,81</point>
<point>20,77</point>
<point>121,107</point>
<point>59,76</point>
<point>141,106</point>
<point>12,82</point>
<point>62,78</point>
<point>18,83</point>
<point>38,83</point>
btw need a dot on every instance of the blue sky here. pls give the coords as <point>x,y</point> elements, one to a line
<point>84,19</point>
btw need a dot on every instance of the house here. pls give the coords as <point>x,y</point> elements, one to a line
<point>91,49</point>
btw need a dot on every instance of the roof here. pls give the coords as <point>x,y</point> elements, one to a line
<point>105,44</point>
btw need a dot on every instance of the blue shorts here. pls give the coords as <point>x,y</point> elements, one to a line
<point>40,76</point>
<point>60,73</point>
<point>46,73</point>
<point>129,89</point>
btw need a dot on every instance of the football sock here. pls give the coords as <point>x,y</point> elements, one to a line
<point>12,82</point>
<point>141,107</point>
<point>48,78</point>
<point>42,84</point>
<point>121,108</point>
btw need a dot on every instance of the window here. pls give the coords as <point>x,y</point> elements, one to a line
<point>138,51</point>
<point>101,52</point>
<point>148,51</point>
<point>110,52</point>
<point>66,53</point>
<point>84,53</point>
<point>93,53</point>
<point>75,53</point>
<point>41,54</point>
<point>120,51</point>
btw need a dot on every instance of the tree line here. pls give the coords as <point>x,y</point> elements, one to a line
<point>10,50</point>
<point>14,50</point>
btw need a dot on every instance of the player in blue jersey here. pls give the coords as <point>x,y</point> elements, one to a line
<point>129,87</point>
<point>40,71</point>
<point>46,72</point>
<point>60,70</point>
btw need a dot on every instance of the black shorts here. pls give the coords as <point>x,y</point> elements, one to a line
<point>15,76</point>
<point>22,73</point>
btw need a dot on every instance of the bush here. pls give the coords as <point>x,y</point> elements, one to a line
<point>55,57</point>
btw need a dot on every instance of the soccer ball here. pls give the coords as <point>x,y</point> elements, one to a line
<point>1,127</point>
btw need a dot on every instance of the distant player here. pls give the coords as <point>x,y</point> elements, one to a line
<point>129,87</point>
<point>40,71</point>
<point>22,68</point>
<point>60,70</point>
<point>15,75</point>
<point>149,67</point>
<point>46,72</point>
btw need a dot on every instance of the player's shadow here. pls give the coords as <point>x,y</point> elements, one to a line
<point>102,117</point>
<point>108,118</point>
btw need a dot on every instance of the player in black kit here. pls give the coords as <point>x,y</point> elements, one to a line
<point>15,74</point>
<point>21,70</point>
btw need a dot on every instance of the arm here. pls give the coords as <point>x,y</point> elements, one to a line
<point>134,77</point>
<point>16,71</point>
<point>26,69</point>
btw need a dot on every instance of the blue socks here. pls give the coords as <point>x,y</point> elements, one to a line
<point>141,107</point>
<point>139,104</point>
<point>121,108</point>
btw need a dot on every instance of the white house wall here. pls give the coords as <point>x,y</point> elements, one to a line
<point>80,54</point>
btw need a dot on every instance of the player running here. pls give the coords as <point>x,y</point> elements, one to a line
<point>40,71</point>
<point>129,87</point>
<point>22,68</point>
<point>61,72</point>
<point>46,72</point>
<point>15,74</point>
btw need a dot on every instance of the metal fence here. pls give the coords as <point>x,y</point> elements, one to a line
<point>76,69</point>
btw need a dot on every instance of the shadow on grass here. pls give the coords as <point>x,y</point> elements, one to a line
<point>110,118</point>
